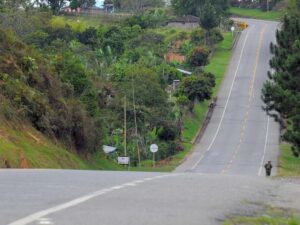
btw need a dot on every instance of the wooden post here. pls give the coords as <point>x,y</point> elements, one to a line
<point>125,127</point>
<point>135,124</point>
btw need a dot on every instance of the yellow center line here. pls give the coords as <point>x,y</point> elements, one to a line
<point>251,90</point>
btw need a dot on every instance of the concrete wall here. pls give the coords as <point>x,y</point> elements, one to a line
<point>183,25</point>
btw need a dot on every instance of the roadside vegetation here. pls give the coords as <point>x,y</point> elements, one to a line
<point>24,147</point>
<point>193,122</point>
<point>71,80</point>
<point>281,92</point>
<point>267,216</point>
<point>263,10</point>
<point>289,165</point>
<point>255,14</point>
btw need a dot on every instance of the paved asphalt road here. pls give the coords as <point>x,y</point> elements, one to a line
<point>63,197</point>
<point>240,137</point>
<point>224,167</point>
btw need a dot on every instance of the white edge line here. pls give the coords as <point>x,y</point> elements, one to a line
<point>38,215</point>
<point>227,101</point>
<point>265,148</point>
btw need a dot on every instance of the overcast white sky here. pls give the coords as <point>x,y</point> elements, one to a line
<point>99,3</point>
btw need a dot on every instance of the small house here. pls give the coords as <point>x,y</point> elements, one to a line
<point>92,10</point>
<point>187,22</point>
<point>109,8</point>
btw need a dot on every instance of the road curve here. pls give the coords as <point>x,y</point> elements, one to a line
<point>240,137</point>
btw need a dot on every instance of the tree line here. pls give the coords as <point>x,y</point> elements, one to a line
<point>281,93</point>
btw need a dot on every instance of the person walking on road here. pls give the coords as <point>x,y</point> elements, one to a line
<point>268,167</point>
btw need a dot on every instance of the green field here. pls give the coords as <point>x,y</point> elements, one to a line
<point>255,14</point>
<point>289,166</point>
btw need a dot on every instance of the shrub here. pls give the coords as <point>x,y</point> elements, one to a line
<point>89,37</point>
<point>168,131</point>
<point>216,36</point>
<point>168,74</point>
<point>198,37</point>
<point>198,57</point>
<point>149,19</point>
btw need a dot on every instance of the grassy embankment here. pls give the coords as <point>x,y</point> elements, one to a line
<point>24,147</point>
<point>289,166</point>
<point>255,14</point>
<point>218,66</point>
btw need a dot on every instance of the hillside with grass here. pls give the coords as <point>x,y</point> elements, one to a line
<point>31,112</point>
<point>70,82</point>
<point>22,146</point>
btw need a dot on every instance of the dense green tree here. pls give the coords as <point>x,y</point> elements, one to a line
<point>113,39</point>
<point>15,4</point>
<point>89,37</point>
<point>72,71</point>
<point>74,4</point>
<point>198,87</point>
<point>135,5</point>
<point>150,99</point>
<point>149,19</point>
<point>209,19</point>
<point>56,5</point>
<point>197,36</point>
<point>147,86</point>
<point>168,74</point>
<point>281,93</point>
<point>198,57</point>
<point>65,34</point>
<point>185,7</point>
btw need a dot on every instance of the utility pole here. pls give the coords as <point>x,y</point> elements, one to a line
<point>125,127</point>
<point>135,124</point>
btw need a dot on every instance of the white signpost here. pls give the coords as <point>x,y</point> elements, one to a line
<point>154,149</point>
<point>232,29</point>
<point>123,160</point>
